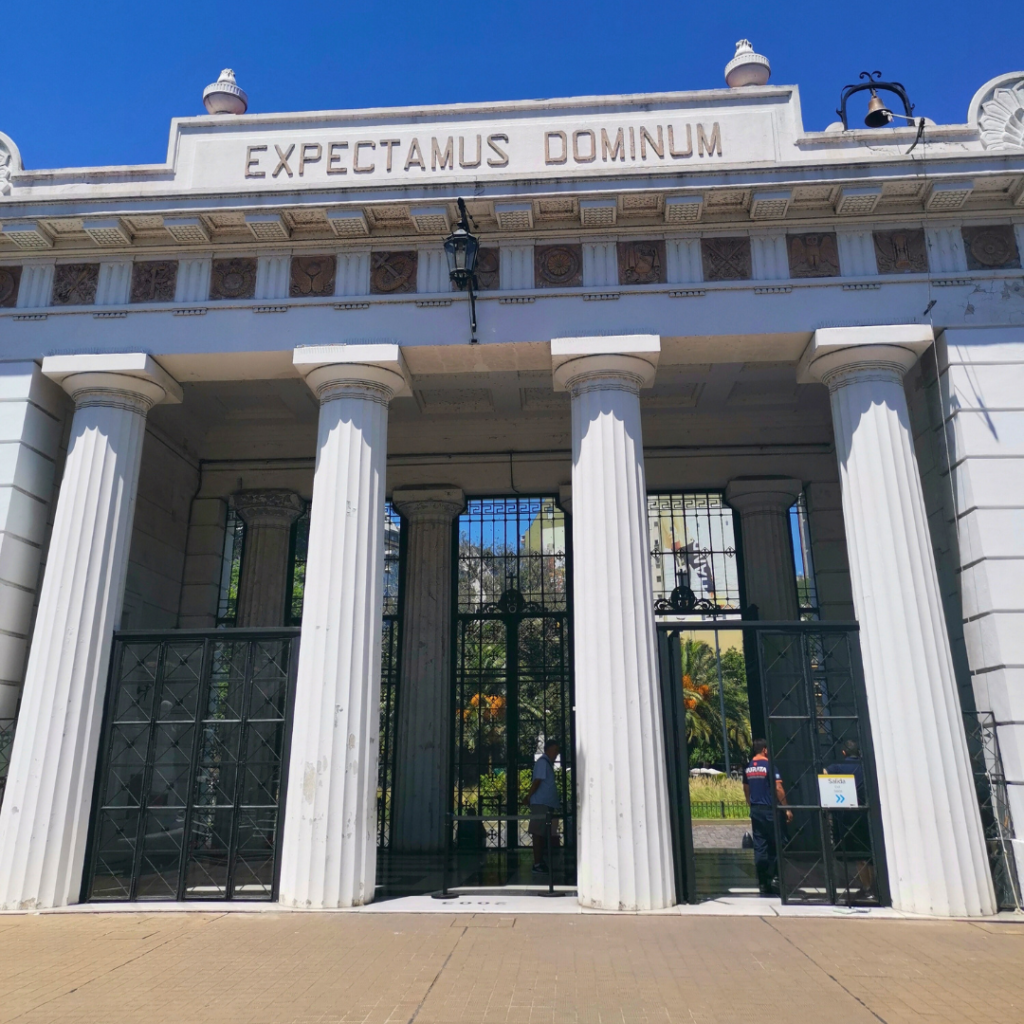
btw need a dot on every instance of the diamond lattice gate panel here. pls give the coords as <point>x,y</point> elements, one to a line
<point>191,781</point>
<point>829,834</point>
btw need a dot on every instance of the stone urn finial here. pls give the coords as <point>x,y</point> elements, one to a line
<point>747,67</point>
<point>224,96</point>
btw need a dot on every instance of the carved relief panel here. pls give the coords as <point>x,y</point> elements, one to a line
<point>991,247</point>
<point>901,252</point>
<point>814,255</point>
<point>393,273</point>
<point>487,269</point>
<point>154,281</point>
<point>234,278</point>
<point>558,266</point>
<point>312,276</point>
<point>10,279</point>
<point>74,284</point>
<point>725,259</point>
<point>641,262</point>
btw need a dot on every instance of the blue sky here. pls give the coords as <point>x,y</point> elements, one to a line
<point>97,83</point>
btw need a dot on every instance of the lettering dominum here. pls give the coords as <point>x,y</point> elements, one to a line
<point>612,145</point>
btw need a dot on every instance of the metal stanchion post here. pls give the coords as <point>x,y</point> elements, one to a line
<point>548,822</point>
<point>444,894</point>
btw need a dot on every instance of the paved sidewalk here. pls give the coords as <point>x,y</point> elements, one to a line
<point>304,968</point>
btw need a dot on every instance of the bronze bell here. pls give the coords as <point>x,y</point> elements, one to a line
<point>878,114</point>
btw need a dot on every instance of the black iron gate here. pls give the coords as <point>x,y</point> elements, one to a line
<point>808,678</point>
<point>830,848</point>
<point>513,683</point>
<point>191,774</point>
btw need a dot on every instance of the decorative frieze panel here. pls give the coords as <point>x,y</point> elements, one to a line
<point>234,278</point>
<point>726,259</point>
<point>641,262</point>
<point>558,266</point>
<point>312,276</point>
<point>991,247</point>
<point>10,280</point>
<point>74,284</point>
<point>154,281</point>
<point>901,252</point>
<point>814,255</point>
<point>488,269</point>
<point>393,273</point>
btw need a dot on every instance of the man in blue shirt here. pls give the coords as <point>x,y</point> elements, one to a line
<point>758,777</point>
<point>543,800</point>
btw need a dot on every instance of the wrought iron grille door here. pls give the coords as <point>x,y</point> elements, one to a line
<point>814,707</point>
<point>191,775</point>
<point>513,681</point>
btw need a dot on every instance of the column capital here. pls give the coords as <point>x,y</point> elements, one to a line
<point>762,494</point>
<point>417,503</point>
<point>377,370</point>
<point>835,353</point>
<point>624,360</point>
<point>268,507</point>
<point>133,379</point>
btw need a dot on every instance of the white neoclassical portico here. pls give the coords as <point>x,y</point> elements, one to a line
<point>296,623</point>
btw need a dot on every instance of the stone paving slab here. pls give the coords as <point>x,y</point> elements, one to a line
<point>470,968</point>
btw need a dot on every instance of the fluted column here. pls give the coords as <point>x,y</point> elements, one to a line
<point>769,571</point>
<point>329,841</point>
<point>44,822</point>
<point>424,695</point>
<point>625,852</point>
<point>263,586</point>
<point>934,843</point>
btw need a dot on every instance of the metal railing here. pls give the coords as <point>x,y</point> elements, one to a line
<point>451,819</point>
<point>719,809</point>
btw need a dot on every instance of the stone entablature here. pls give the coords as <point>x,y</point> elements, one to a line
<point>389,273</point>
<point>717,158</point>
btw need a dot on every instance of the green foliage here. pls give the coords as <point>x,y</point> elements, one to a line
<point>704,733</point>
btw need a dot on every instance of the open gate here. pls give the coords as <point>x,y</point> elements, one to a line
<point>512,668</point>
<point>807,678</point>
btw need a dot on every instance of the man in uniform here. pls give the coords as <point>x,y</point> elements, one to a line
<point>757,788</point>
